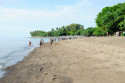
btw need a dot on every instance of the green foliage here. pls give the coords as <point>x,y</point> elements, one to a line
<point>121,24</point>
<point>38,33</point>
<point>49,33</point>
<point>88,32</point>
<point>112,19</point>
<point>82,32</point>
<point>122,34</point>
<point>99,32</point>
<point>72,29</point>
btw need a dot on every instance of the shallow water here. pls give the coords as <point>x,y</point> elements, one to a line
<point>13,50</point>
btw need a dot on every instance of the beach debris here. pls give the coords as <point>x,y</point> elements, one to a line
<point>1,65</point>
<point>41,69</point>
<point>34,44</point>
<point>45,73</point>
<point>54,79</point>
<point>18,77</point>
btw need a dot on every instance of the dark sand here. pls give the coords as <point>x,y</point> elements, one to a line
<point>86,60</point>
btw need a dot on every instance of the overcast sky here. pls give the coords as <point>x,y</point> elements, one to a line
<point>19,17</point>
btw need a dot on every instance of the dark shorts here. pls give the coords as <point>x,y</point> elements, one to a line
<point>40,43</point>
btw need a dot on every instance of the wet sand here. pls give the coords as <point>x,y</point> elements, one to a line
<point>85,60</point>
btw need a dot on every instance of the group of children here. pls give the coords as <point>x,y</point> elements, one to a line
<point>42,42</point>
<point>54,39</point>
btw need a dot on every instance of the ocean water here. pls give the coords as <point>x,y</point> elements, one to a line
<point>13,50</point>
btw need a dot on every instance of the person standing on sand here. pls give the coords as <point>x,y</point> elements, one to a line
<point>41,42</point>
<point>51,41</point>
<point>29,43</point>
<point>58,39</point>
<point>55,39</point>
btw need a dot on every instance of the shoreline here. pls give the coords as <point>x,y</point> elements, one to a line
<point>17,53</point>
<point>7,69</point>
<point>71,61</point>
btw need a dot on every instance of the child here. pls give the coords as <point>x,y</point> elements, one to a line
<point>40,42</point>
<point>29,43</point>
<point>51,41</point>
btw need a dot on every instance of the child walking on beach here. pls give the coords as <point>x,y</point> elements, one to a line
<point>51,41</point>
<point>29,43</point>
<point>41,41</point>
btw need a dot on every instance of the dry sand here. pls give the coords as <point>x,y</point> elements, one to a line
<point>85,60</point>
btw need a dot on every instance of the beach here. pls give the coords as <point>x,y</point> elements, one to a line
<point>82,60</point>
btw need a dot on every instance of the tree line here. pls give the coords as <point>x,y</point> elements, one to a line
<point>108,21</point>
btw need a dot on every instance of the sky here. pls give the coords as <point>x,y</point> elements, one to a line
<point>20,17</point>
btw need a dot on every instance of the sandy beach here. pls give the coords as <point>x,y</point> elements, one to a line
<point>84,60</point>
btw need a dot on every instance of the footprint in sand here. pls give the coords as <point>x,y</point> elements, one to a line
<point>45,73</point>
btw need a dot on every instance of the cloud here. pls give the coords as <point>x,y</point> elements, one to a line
<point>26,20</point>
<point>61,13</point>
<point>9,14</point>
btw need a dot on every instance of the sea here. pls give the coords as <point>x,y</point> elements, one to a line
<point>14,49</point>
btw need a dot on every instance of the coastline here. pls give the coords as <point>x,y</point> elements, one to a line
<point>92,59</point>
<point>15,50</point>
<point>8,69</point>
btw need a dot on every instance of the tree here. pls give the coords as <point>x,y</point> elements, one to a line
<point>57,28</point>
<point>73,28</point>
<point>38,33</point>
<point>111,19</point>
<point>52,29</point>
<point>99,32</point>
<point>88,32</point>
<point>82,32</point>
<point>49,33</point>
